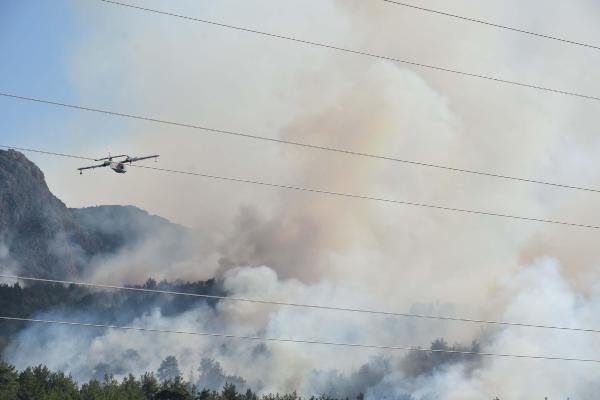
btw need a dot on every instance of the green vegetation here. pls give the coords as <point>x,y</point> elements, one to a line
<point>39,383</point>
<point>119,307</point>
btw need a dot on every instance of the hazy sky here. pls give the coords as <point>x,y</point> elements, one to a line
<point>102,55</point>
<point>106,56</point>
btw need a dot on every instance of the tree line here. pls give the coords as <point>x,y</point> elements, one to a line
<point>119,307</point>
<point>40,383</point>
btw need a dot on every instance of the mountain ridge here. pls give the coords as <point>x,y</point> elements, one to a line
<point>41,236</point>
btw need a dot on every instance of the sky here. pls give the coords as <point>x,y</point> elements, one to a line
<point>83,52</point>
<point>34,38</point>
<point>105,56</point>
<point>37,39</point>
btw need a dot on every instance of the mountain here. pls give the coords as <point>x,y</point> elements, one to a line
<point>40,236</point>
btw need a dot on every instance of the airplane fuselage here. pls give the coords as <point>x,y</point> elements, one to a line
<point>118,167</point>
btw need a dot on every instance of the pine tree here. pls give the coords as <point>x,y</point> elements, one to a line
<point>9,382</point>
<point>173,389</point>
<point>169,369</point>
<point>229,392</point>
<point>92,391</point>
<point>131,389</point>
<point>33,383</point>
<point>149,385</point>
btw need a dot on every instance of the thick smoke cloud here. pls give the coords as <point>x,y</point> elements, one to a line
<point>539,289</point>
<point>311,248</point>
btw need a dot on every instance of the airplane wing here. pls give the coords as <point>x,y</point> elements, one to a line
<point>111,157</point>
<point>92,167</point>
<point>130,160</point>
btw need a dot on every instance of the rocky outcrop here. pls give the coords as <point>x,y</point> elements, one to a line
<point>41,237</point>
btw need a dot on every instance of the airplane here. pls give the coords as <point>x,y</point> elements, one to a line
<point>117,166</point>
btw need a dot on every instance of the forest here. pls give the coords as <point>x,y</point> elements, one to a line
<point>118,306</point>
<point>39,383</point>
<point>212,383</point>
<point>167,383</point>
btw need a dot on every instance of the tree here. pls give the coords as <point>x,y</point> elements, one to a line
<point>34,383</point>
<point>92,391</point>
<point>149,385</point>
<point>249,395</point>
<point>212,376</point>
<point>173,389</point>
<point>9,382</point>
<point>169,369</point>
<point>207,394</point>
<point>131,389</point>
<point>110,387</point>
<point>40,383</point>
<point>61,387</point>
<point>229,392</point>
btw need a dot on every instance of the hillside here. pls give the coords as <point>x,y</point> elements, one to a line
<point>41,236</point>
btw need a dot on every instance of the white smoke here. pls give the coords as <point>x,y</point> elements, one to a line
<point>538,293</point>
<point>8,265</point>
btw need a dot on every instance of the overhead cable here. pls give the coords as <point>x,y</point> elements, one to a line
<point>368,197</point>
<point>299,305</point>
<point>358,52</point>
<point>492,24</point>
<point>301,341</point>
<point>337,194</point>
<point>294,143</point>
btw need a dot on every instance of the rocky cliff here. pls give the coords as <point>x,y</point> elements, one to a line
<point>40,236</point>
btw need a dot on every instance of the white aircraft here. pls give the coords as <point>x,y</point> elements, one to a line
<point>119,165</point>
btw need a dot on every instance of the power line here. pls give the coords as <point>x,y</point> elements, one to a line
<point>358,52</point>
<point>48,153</point>
<point>300,305</point>
<point>492,24</point>
<point>339,194</point>
<point>366,197</point>
<point>294,143</point>
<point>302,341</point>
